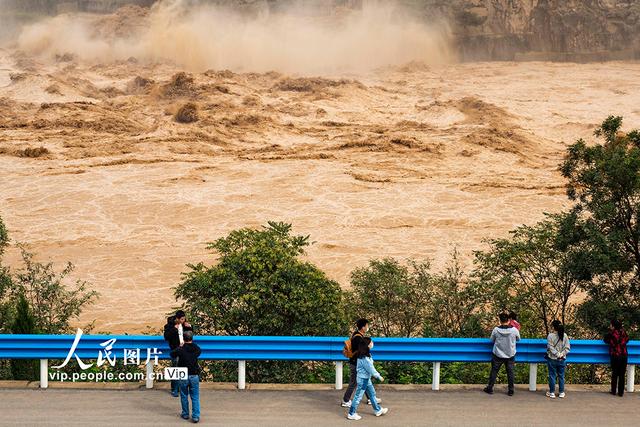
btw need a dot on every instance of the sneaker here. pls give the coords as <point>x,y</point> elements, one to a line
<point>175,394</point>
<point>488,390</point>
<point>510,393</point>
<point>550,395</point>
<point>382,411</point>
<point>196,420</point>
<point>346,404</point>
<point>369,402</point>
<point>354,417</point>
<point>184,417</point>
<point>561,395</point>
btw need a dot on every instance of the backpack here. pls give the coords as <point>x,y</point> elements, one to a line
<point>347,350</point>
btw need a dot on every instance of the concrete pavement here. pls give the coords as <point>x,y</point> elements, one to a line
<point>454,406</point>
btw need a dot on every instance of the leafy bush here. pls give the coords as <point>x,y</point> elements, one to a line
<point>536,271</point>
<point>259,286</point>
<point>51,301</point>
<point>394,297</point>
<point>456,305</point>
<point>24,323</point>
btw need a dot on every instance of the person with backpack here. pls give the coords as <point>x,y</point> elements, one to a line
<point>558,348</point>
<point>187,357</point>
<point>617,339</point>
<point>350,352</point>
<point>365,370</point>
<point>504,338</point>
<point>174,336</point>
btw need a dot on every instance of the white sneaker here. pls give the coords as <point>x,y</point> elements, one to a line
<point>551,395</point>
<point>354,417</point>
<point>369,402</point>
<point>346,404</point>
<point>382,411</point>
<point>561,395</point>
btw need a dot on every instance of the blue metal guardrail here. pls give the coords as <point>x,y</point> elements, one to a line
<point>243,348</point>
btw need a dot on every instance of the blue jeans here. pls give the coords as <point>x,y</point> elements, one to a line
<point>190,387</point>
<point>556,367</point>
<point>364,384</point>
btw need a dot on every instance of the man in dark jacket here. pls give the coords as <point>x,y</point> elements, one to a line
<point>173,333</point>
<point>187,357</point>
<point>362,326</point>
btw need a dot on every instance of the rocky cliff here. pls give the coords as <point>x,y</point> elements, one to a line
<point>560,29</point>
<point>483,29</point>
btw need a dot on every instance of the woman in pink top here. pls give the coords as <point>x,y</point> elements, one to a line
<point>513,320</point>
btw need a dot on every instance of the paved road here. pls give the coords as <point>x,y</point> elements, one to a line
<point>56,407</point>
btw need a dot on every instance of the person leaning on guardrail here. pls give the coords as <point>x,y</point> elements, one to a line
<point>504,338</point>
<point>174,336</point>
<point>558,348</point>
<point>617,339</point>
<point>366,370</point>
<point>513,320</point>
<point>187,356</point>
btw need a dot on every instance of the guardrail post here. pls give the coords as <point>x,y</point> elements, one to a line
<point>533,376</point>
<point>149,375</point>
<point>435,382</point>
<point>44,373</point>
<point>242,364</point>
<point>631,377</point>
<point>339,375</point>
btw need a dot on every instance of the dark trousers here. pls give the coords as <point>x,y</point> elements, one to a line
<point>496,363</point>
<point>175,385</point>
<point>353,381</point>
<point>618,371</point>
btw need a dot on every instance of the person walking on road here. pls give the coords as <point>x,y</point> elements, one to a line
<point>362,327</point>
<point>365,370</point>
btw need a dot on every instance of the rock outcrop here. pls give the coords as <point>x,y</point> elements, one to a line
<point>575,30</point>
<point>542,29</point>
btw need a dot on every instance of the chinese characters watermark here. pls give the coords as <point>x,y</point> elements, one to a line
<point>130,356</point>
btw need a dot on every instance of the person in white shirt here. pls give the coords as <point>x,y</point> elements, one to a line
<point>558,348</point>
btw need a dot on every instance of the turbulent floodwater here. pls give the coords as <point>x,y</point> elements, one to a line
<point>402,161</point>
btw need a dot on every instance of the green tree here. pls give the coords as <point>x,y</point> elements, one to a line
<point>5,282</point>
<point>604,182</point>
<point>457,306</point>
<point>536,271</point>
<point>260,286</point>
<point>24,323</point>
<point>52,302</point>
<point>394,297</point>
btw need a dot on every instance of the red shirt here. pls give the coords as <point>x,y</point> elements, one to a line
<point>515,324</point>
<point>617,340</point>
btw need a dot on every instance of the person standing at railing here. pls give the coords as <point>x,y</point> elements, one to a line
<point>351,351</point>
<point>173,334</point>
<point>558,348</point>
<point>365,370</point>
<point>617,339</point>
<point>504,338</point>
<point>513,320</point>
<point>187,356</point>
